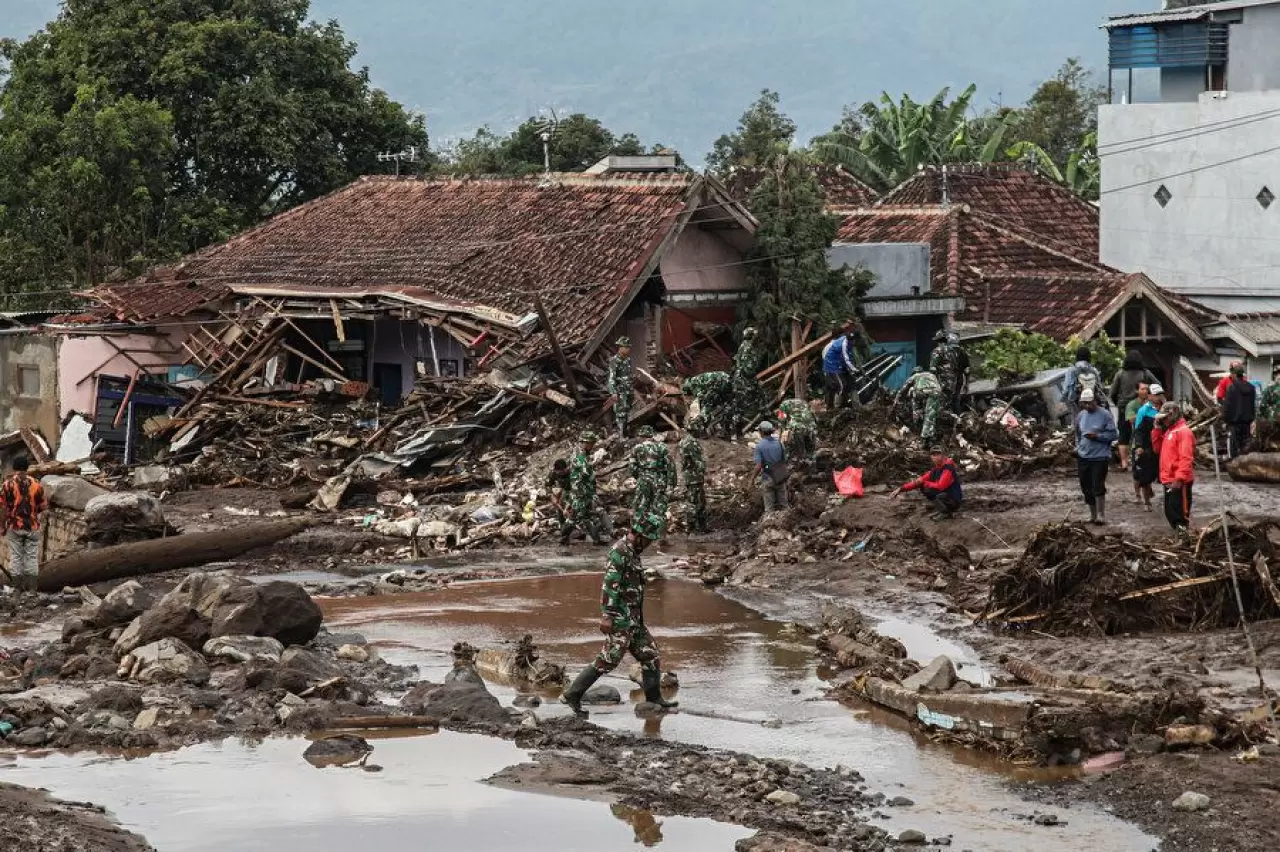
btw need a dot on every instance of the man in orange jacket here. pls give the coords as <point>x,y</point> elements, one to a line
<point>1177,465</point>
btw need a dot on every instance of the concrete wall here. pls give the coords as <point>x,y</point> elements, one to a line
<point>1251,61</point>
<point>18,411</point>
<point>60,534</point>
<point>702,262</point>
<point>406,342</point>
<point>80,358</point>
<point>1213,239</point>
<point>900,269</point>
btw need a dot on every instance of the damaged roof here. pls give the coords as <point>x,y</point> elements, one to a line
<point>584,243</point>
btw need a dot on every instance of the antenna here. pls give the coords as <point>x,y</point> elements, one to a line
<point>408,155</point>
<point>547,128</point>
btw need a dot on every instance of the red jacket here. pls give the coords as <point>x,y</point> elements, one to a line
<point>941,479</point>
<point>1221,392</point>
<point>1178,455</point>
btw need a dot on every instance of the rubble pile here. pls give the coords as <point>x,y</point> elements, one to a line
<point>1071,582</point>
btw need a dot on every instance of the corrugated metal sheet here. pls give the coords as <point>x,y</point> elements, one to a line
<point>1172,16</point>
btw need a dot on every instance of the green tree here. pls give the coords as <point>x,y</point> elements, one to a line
<point>1013,355</point>
<point>1062,112</point>
<point>1081,173</point>
<point>576,143</point>
<point>897,138</point>
<point>183,121</point>
<point>790,275</point>
<point>763,133</point>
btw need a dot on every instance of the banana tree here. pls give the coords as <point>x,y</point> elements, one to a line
<point>1081,173</point>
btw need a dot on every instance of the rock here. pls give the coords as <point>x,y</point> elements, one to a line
<point>154,477</point>
<point>459,701</point>
<point>900,802</point>
<point>938,676</point>
<point>108,517</point>
<point>1189,735</point>
<point>242,649</point>
<point>70,492</point>
<point>60,697</point>
<point>354,653</point>
<point>147,719</point>
<point>114,696</point>
<point>1146,746</point>
<point>1047,820</point>
<point>290,614</point>
<point>669,680</point>
<point>167,661</point>
<point>465,673</point>
<point>122,605</point>
<point>646,709</point>
<point>29,737</point>
<point>309,663</point>
<point>530,721</point>
<point>1190,802</point>
<point>168,619</point>
<point>602,693</point>
<point>337,751</point>
<point>527,701</point>
<point>913,837</point>
<point>109,720</point>
<point>233,606</point>
<point>73,627</point>
<point>766,842</point>
<point>783,797</point>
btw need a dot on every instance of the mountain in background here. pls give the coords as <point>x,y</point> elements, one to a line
<point>680,72</point>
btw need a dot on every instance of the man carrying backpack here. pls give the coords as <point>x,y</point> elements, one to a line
<point>23,501</point>
<point>1081,377</point>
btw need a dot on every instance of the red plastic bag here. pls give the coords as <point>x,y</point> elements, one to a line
<point>849,481</point>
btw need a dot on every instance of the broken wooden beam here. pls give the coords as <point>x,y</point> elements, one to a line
<point>803,352</point>
<point>162,554</point>
<point>565,368</point>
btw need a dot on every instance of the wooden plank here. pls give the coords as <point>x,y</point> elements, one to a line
<point>805,351</point>
<point>124,401</point>
<point>1173,587</point>
<point>269,403</point>
<point>338,327</point>
<point>565,368</point>
<point>333,374</point>
<point>1264,574</point>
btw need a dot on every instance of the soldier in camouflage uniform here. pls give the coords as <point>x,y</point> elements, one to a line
<point>622,619</point>
<point>694,466</point>
<point>748,397</point>
<point>926,395</point>
<point>945,364</point>
<point>799,429</point>
<point>654,474</point>
<point>622,384</point>
<point>1269,402</point>
<point>714,394</point>
<point>582,512</point>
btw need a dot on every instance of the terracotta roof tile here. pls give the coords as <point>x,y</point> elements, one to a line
<point>1056,305</point>
<point>840,188</point>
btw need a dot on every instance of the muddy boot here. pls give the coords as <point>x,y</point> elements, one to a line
<point>1101,506</point>
<point>650,681</point>
<point>572,696</point>
<point>1093,513</point>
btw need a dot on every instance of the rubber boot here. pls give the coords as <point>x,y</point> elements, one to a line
<point>1102,511</point>
<point>1093,512</point>
<point>572,696</point>
<point>651,683</point>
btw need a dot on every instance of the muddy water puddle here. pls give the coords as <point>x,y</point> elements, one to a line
<point>738,670</point>
<point>426,795</point>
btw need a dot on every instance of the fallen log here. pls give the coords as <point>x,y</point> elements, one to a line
<point>1255,467</point>
<point>162,554</point>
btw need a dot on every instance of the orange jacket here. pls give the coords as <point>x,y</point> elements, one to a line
<point>1178,454</point>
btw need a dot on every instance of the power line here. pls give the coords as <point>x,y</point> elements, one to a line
<point>1205,129</point>
<point>1191,171</point>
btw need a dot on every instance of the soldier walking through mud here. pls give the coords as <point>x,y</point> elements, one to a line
<point>582,512</point>
<point>693,466</point>
<point>622,384</point>
<point>654,474</point>
<point>926,395</point>
<point>713,392</point>
<point>622,620</point>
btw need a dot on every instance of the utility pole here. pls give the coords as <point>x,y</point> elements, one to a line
<point>408,155</point>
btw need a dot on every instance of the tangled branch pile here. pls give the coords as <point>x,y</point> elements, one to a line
<point>1070,582</point>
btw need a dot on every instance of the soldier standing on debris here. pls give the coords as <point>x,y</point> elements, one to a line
<point>925,392</point>
<point>622,619</point>
<point>840,361</point>
<point>1239,408</point>
<point>748,396</point>
<point>963,369</point>
<point>654,474</point>
<point>771,468</point>
<point>1095,430</point>
<point>693,464</point>
<point>23,502</point>
<point>558,485</point>
<point>582,494</point>
<point>1146,458</point>
<point>799,429</point>
<point>940,486</point>
<point>1177,465</point>
<point>714,394</point>
<point>622,384</point>
<point>1269,403</point>
<point>944,363</point>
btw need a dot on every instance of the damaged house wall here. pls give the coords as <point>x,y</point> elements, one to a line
<point>81,358</point>
<point>400,344</point>
<point>29,384</point>
<point>705,281</point>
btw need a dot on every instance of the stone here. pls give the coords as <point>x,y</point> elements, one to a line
<point>147,719</point>
<point>527,701</point>
<point>602,693</point>
<point>73,627</point>
<point>1190,802</point>
<point>108,516</point>
<point>465,673</point>
<point>1146,746</point>
<point>110,720</point>
<point>70,492</point>
<point>530,721</point>
<point>233,606</point>
<point>783,797</point>
<point>122,605</point>
<point>766,842</point>
<point>29,737</point>
<point>167,661</point>
<point>911,836</point>
<point>168,619</point>
<point>337,751</point>
<point>459,701</point>
<point>290,614</point>
<point>309,663</point>
<point>900,802</point>
<point>354,653</point>
<point>1047,820</point>
<point>938,676</point>
<point>242,649</point>
<point>60,697</point>
<point>1189,735</point>
<point>154,477</point>
<point>114,696</point>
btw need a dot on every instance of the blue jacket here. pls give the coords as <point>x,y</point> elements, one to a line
<point>836,358</point>
<point>1101,422</point>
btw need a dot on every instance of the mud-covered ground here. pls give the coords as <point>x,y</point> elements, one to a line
<point>34,821</point>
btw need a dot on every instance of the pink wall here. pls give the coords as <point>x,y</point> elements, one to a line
<point>701,262</point>
<point>80,358</point>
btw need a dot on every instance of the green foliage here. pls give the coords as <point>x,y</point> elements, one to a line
<point>763,134</point>
<point>1015,354</point>
<point>1062,112</point>
<point>1082,172</point>
<point>132,131</point>
<point>1103,354</point>
<point>790,277</point>
<point>894,139</point>
<point>577,142</point>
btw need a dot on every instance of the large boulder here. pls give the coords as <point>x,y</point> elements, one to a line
<point>70,492</point>
<point>124,516</point>
<point>459,701</point>
<point>122,604</point>
<point>315,667</point>
<point>166,661</point>
<point>242,649</point>
<point>288,613</point>
<point>169,619</point>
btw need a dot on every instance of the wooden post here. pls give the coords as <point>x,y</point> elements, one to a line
<point>565,368</point>
<point>798,370</point>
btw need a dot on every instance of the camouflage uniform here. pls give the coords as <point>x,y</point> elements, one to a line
<point>926,401</point>
<point>582,497</point>
<point>800,428</point>
<point>748,397</point>
<point>622,612</point>
<point>622,385</point>
<point>655,476</point>
<point>945,364</point>
<point>1269,402</point>
<point>714,395</point>
<point>694,465</point>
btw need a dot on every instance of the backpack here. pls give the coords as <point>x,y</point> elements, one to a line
<point>1089,379</point>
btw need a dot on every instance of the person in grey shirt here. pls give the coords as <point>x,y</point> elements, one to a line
<point>771,468</point>
<point>1095,432</point>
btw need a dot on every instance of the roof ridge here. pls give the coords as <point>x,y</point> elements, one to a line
<point>999,223</point>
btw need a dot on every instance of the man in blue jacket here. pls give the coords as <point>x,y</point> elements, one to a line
<point>1095,432</point>
<point>839,367</point>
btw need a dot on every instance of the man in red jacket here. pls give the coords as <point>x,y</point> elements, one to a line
<point>940,486</point>
<point>1177,465</point>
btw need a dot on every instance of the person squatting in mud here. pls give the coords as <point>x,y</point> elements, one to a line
<point>940,485</point>
<point>622,619</point>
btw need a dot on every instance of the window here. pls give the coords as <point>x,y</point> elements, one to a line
<point>29,381</point>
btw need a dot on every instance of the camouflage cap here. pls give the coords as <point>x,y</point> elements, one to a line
<point>588,437</point>
<point>623,342</point>
<point>648,525</point>
<point>645,432</point>
<point>749,331</point>
<point>940,335</point>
